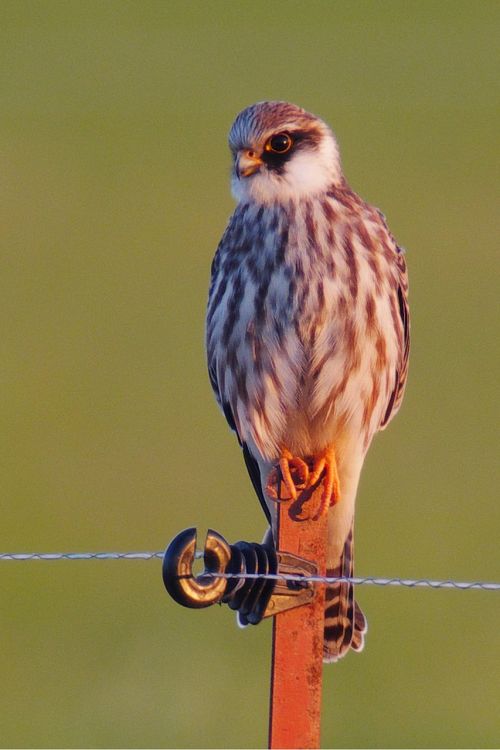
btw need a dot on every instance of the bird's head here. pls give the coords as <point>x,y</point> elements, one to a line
<point>280,153</point>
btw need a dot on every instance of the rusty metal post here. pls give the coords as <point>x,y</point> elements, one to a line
<point>297,661</point>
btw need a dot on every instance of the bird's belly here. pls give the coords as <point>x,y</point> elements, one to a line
<point>312,382</point>
<point>335,403</point>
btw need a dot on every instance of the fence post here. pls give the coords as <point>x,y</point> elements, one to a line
<point>297,659</point>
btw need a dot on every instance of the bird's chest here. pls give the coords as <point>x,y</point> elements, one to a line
<point>294,327</point>
<point>289,301</point>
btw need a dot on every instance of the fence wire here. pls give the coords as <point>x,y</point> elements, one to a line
<point>287,577</point>
<point>23,556</point>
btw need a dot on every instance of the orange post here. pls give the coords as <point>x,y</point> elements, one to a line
<point>297,661</point>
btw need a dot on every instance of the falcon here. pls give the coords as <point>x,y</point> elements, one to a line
<point>307,329</point>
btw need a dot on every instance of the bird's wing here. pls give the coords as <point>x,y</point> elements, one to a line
<point>254,473</point>
<point>214,300</point>
<point>211,345</point>
<point>250,462</point>
<point>396,397</point>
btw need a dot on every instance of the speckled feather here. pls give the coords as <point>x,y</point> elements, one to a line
<point>307,323</point>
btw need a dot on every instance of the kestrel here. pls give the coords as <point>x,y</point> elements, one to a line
<point>307,329</point>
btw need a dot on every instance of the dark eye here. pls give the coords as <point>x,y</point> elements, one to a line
<point>279,143</point>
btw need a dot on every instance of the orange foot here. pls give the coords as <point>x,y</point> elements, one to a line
<point>326,463</point>
<point>293,472</point>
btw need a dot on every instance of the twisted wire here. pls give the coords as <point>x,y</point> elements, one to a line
<point>23,556</point>
<point>366,580</point>
<point>286,577</point>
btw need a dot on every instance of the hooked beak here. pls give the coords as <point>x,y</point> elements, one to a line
<point>247,163</point>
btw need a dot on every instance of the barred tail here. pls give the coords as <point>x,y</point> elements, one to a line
<point>345,623</point>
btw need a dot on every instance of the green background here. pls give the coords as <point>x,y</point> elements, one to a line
<point>114,193</point>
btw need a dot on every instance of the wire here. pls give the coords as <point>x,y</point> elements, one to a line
<point>287,577</point>
<point>23,556</point>
<point>366,580</point>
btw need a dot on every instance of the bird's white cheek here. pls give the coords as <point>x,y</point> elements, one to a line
<point>239,189</point>
<point>307,176</point>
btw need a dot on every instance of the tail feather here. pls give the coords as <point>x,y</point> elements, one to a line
<point>360,628</point>
<point>345,623</point>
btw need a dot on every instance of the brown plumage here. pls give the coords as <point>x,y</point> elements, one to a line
<point>307,328</point>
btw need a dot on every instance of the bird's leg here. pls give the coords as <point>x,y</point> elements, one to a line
<point>326,463</point>
<point>292,471</point>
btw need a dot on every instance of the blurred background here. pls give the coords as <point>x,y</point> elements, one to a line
<point>114,191</point>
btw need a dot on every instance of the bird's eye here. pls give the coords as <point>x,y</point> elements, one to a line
<point>279,143</point>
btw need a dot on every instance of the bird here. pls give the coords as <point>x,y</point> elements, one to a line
<point>307,330</point>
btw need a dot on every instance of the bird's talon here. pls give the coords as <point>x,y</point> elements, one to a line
<point>288,478</point>
<point>273,480</point>
<point>325,466</point>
